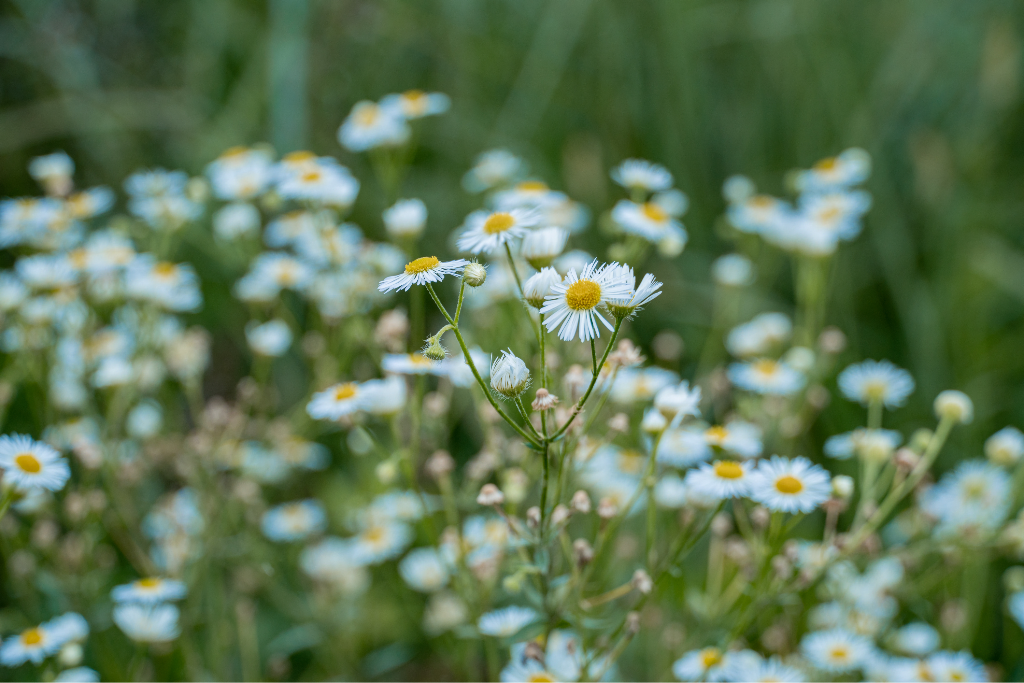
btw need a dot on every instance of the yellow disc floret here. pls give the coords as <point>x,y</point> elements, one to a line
<point>498,222</point>
<point>27,462</point>
<point>728,470</point>
<point>421,265</point>
<point>655,212</point>
<point>33,636</point>
<point>789,484</point>
<point>583,295</point>
<point>344,391</point>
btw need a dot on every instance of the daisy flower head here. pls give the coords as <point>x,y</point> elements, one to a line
<point>540,247</point>
<point>415,104</point>
<point>335,402</point>
<point>422,271</point>
<point>31,645</point>
<point>235,220</point>
<point>240,173</point>
<point>975,495</point>
<point>790,485</point>
<point>334,562</point>
<point>572,304</point>
<point>876,381</point>
<point>739,438</point>
<point>671,492</point>
<point>851,167</point>
<point>269,339</point>
<point>509,375</point>
<point>836,650</point>
<point>406,219</point>
<point>539,285</point>
<point>760,335</point>
<point>721,479</point>
<point>733,270</point>
<point>638,174</point>
<point>916,639</point>
<point>486,231</point>
<point>148,623</point>
<point>56,167</point>
<point>149,591</point>
<point>945,665</point>
<point>758,214</point>
<point>506,622</point>
<point>648,290</point>
<point>383,396</point>
<point>1005,447</point>
<point>678,400</point>
<point>79,674</point>
<point>493,168</point>
<point>954,405</point>
<point>767,376</point>
<point>371,125</point>
<point>409,364</point>
<point>650,220</point>
<point>425,570</point>
<point>381,540</point>
<point>699,665</point>
<point>29,464</point>
<point>294,521</point>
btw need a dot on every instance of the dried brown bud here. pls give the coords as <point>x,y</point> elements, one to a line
<point>490,495</point>
<point>580,502</point>
<point>583,552</point>
<point>619,422</point>
<point>560,514</point>
<point>545,400</point>
<point>439,465</point>
<point>606,508</point>
<point>642,582</point>
<point>533,517</point>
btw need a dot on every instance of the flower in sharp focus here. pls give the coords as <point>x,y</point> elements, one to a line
<point>506,622</point>
<point>766,376</point>
<point>151,590</point>
<point>294,521</point>
<point>836,650</point>
<point>648,290</point>
<point>539,285</point>
<point>148,623</point>
<point>638,174</point>
<point>876,381</point>
<point>509,375</point>
<point>790,485</point>
<point>485,231</point>
<point>421,271</point>
<point>572,304</point>
<point>29,464</point>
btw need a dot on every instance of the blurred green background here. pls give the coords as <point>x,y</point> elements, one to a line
<point>932,88</point>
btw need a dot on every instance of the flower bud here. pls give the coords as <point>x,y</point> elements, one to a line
<point>1006,447</point>
<point>509,375</point>
<point>842,487</point>
<point>619,422</point>
<point>439,465</point>
<point>434,350</point>
<point>540,247</point>
<point>642,582</point>
<point>606,508</point>
<point>559,514</point>
<point>721,525</point>
<point>654,422</point>
<point>406,219</point>
<point>632,625</point>
<point>954,405</point>
<point>920,440</point>
<point>582,551</point>
<point>539,286</point>
<point>490,495</point>
<point>580,502</point>
<point>545,400</point>
<point>474,274</point>
<point>387,472</point>
<point>533,517</point>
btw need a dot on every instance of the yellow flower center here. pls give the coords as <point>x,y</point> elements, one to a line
<point>343,391</point>
<point>716,435</point>
<point>414,95</point>
<point>654,212</point>
<point>761,201</point>
<point>541,677</point>
<point>789,485</point>
<point>631,461</point>
<point>974,490</point>
<point>311,176</point>
<point>710,657</point>
<point>826,165</point>
<point>532,186</point>
<point>875,390</point>
<point>28,463</point>
<point>840,653</point>
<point>830,214</point>
<point>421,265</point>
<point>726,469</point>
<point>766,366</point>
<point>583,295</point>
<point>149,583</point>
<point>498,222</point>
<point>298,157</point>
<point>33,636</point>
<point>165,269</point>
<point>367,115</point>
<point>419,360</point>
<point>79,258</point>
<point>374,534</point>
<point>233,152</point>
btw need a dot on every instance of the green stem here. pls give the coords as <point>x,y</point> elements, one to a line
<point>593,381</point>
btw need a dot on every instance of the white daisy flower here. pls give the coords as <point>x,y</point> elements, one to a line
<point>872,444</point>
<point>294,521</point>
<point>1005,447</point>
<point>240,173</point>
<point>737,437</point>
<point>383,396</point>
<point>916,639</point>
<point>425,570</point>
<point>422,271</point>
<point>790,485</point>
<point>29,464</point>
<point>836,650</point>
<point>89,203</point>
<point>637,174</point>
<point>31,645</point>
<point>540,247</point>
<point>954,405</point>
<point>876,381</point>
<point>749,666</point>
<point>269,339</point>
<point>371,125</point>
<point>538,286</point>
<point>699,665</point>
<point>406,219</point>
<point>683,447</point>
<point>335,401</point>
<point>733,270</point>
<point>321,180</point>
<point>79,674</point>
<point>953,666</point>
<point>334,562</point>
<point>149,591</point>
<point>506,622</point>
<point>173,286</point>
<point>647,291</point>
<point>678,400</point>
<point>722,479</point>
<point>759,336</point>
<point>237,219</point>
<point>572,304</point>
<point>509,375</point>
<point>51,167</point>
<point>409,364</point>
<point>148,623</point>
<point>766,376</point>
<point>849,168</point>
<point>485,231</point>
<point>671,492</point>
<point>493,168</point>
<point>976,494</point>
<point>381,540</point>
<point>649,220</point>
<point>415,104</point>
<point>634,385</point>
<point>759,214</point>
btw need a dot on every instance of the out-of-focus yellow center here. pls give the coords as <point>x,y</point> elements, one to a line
<point>631,462</point>
<point>761,201</point>
<point>840,653</point>
<point>343,391</point>
<point>374,534</point>
<point>366,116</point>
<point>875,390</point>
<point>421,361</point>
<point>827,165</point>
<point>498,222</point>
<point>654,212</point>
<point>298,157</point>
<point>541,677</point>
<point>28,463</point>
<point>33,636</point>
<point>583,295</point>
<point>532,186</point>
<point>414,95</point>
<point>726,469</point>
<point>165,269</point>
<point>974,490</point>
<point>710,656</point>
<point>310,176</point>
<point>716,435</point>
<point>421,265</point>
<point>789,485</point>
<point>233,152</point>
<point>766,366</point>
<point>79,258</point>
<point>830,214</point>
<point>149,583</point>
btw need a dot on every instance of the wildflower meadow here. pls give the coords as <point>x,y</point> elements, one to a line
<point>445,369</point>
